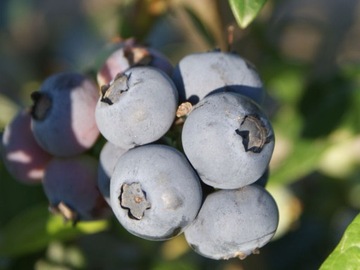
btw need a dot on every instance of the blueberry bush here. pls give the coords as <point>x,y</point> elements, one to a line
<point>163,134</point>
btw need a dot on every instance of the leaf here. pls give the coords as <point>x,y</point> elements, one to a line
<point>303,159</point>
<point>8,110</point>
<point>347,253</point>
<point>245,11</point>
<point>36,227</point>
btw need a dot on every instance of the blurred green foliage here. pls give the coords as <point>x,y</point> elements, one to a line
<point>307,53</point>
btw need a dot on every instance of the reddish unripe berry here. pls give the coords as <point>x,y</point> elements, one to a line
<point>130,55</point>
<point>24,159</point>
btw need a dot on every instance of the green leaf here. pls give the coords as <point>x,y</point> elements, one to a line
<point>36,227</point>
<point>245,11</point>
<point>8,110</point>
<point>347,253</point>
<point>303,159</point>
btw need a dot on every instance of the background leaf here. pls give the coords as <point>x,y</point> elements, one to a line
<point>245,11</point>
<point>301,161</point>
<point>347,253</point>
<point>35,228</point>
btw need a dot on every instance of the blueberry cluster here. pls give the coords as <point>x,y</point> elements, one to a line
<point>186,149</point>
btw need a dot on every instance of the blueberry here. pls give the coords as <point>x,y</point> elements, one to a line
<point>228,140</point>
<point>137,108</point>
<point>262,181</point>
<point>63,114</point>
<point>199,74</point>
<point>129,55</point>
<point>24,159</point>
<point>70,185</point>
<point>109,155</point>
<point>234,223</point>
<point>154,192</point>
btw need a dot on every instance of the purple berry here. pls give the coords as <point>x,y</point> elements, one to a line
<point>70,185</point>
<point>129,55</point>
<point>63,114</point>
<point>24,159</point>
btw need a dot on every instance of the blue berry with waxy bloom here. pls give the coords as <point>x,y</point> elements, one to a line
<point>200,74</point>
<point>234,223</point>
<point>263,180</point>
<point>154,192</point>
<point>137,108</point>
<point>109,155</point>
<point>228,140</point>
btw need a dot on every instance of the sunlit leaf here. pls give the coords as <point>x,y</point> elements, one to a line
<point>36,227</point>
<point>8,110</point>
<point>302,160</point>
<point>347,253</point>
<point>245,11</point>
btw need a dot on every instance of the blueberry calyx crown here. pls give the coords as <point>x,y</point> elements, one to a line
<point>133,198</point>
<point>254,133</point>
<point>41,105</point>
<point>137,56</point>
<point>110,93</point>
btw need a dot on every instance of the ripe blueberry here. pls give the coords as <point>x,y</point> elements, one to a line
<point>200,74</point>
<point>154,192</point>
<point>228,140</point>
<point>109,155</point>
<point>137,108</point>
<point>262,181</point>
<point>234,223</point>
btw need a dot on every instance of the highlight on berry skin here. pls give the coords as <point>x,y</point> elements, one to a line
<point>24,159</point>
